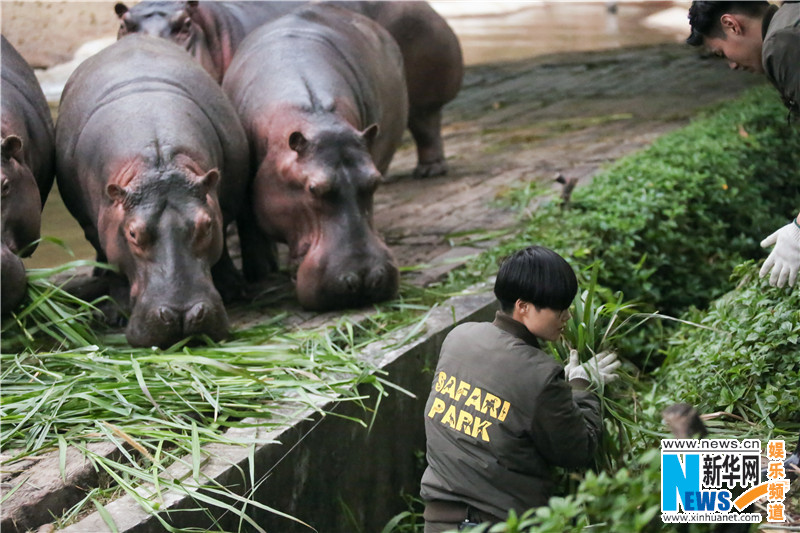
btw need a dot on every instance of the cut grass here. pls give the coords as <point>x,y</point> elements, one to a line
<point>162,407</point>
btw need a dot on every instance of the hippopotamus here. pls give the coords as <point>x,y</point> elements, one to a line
<point>27,152</point>
<point>434,66</point>
<point>321,96</point>
<point>152,161</point>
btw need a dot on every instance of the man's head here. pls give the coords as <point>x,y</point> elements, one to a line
<point>536,286</point>
<point>731,30</point>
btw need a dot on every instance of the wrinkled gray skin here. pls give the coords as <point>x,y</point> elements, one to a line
<point>323,88</point>
<point>152,162</point>
<point>12,279</point>
<point>434,67</point>
<point>26,173</point>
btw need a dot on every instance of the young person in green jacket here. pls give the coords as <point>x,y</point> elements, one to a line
<point>762,38</point>
<point>501,412</point>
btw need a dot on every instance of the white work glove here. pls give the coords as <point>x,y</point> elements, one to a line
<point>784,261</point>
<point>600,369</point>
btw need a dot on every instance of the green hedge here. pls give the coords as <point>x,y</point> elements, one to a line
<point>669,223</point>
<point>748,360</point>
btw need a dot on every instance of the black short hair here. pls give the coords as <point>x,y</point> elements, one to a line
<point>536,275</point>
<point>704,17</point>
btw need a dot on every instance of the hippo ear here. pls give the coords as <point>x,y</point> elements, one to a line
<point>370,133</point>
<point>120,9</point>
<point>191,6</point>
<point>116,193</point>
<point>11,147</point>
<point>210,180</point>
<point>298,142</point>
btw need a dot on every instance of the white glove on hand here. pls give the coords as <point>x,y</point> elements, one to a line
<point>602,367</point>
<point>785,258</point>
<point>573,368</point>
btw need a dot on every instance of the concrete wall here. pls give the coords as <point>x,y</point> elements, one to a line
<point>330,472</point>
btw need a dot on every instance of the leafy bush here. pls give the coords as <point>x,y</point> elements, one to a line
<point>694,205</point>
<point>670,223</point>
<point>625,501</point>
<point>746,359</point>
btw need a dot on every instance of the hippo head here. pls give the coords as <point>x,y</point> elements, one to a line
<point>21,202</point>
<point>165,232</point>
<point>171,21</point>
<point>320,202</point>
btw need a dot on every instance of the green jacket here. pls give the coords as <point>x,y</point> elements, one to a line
<point>499,416</point>
<point>780,52</point>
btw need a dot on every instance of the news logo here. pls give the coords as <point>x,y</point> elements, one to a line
<point>714,480</point>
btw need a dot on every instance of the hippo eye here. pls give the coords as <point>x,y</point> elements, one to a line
<point>183,26</point>
<point>320,189</point>
<point>6,187</point>
<point>136,235</point>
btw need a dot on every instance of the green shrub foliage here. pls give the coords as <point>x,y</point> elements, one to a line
<point>669,223</point>
<point>748,360</point>
<point>695,204</point>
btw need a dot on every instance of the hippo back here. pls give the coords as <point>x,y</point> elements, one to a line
<point>139,89</point>
<point>431,51</point>
<point>25,113</point>
<point>210,31</point>
<point>322,57</point>
<point>238,19</point>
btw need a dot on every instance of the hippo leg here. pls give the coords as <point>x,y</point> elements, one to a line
<point>116,308</point>
<point>88,289</point>
<point>227,280</point>
<point>425,124</point>
<point>13,282</point>
<point>259,252</point>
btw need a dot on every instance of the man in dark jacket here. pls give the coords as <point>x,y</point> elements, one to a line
<point>500,413</point>
<point>759,37</point>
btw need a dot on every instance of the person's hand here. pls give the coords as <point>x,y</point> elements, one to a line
<point>784,261</point>
<point>573,369</point>
<point>600,369</point>
<point>603,367</point>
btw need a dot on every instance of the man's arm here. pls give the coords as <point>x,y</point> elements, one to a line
<point>782,64</point>
<point>567,425</point>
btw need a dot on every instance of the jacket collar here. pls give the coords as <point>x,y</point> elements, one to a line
<point>767,19</point>
<point>518,329</point>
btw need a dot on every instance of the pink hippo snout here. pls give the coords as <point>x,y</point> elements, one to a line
<point>337,280</point>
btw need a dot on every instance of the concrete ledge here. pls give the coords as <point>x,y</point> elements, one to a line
<point>41,487</point>
<point>327,471</point>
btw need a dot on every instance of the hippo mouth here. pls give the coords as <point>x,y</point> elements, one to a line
<point>328,282</point>
<point>163,325</point>
<point>296,258</point>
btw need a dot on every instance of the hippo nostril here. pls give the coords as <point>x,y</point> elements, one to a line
<point>167,316</point>
<point>350,282</point>
<point>196,315</point>
<point>375,279</point>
